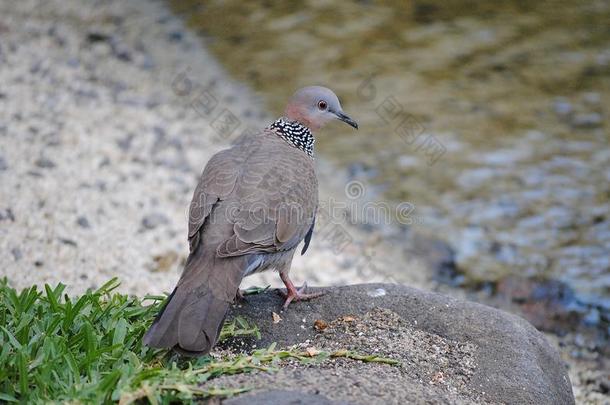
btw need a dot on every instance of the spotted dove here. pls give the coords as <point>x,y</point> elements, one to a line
<point>254,203</point>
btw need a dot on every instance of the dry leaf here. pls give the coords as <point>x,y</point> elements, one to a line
<point>312,351</point>
<point>348,319</point>
<point>276,317</point>
<point>320,324</point>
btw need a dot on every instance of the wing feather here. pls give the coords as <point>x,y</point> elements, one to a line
<point>271,188</point>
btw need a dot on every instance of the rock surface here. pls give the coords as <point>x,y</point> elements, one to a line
<point>451,351</point>
<point>282,397</point>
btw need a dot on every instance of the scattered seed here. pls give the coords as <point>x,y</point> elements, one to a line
<point>276,317</point>
<point>320,325</point>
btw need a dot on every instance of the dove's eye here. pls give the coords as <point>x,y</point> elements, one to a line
<point>322,105</point>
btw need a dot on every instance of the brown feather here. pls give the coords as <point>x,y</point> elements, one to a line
<point>258,197</point>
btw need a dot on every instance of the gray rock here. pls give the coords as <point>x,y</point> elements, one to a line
<point>125,142</point>
<point>69,242</point>
<point>591,120</point>
<point>45,163</point>
<point>459,351</point>
<point>7,215</point>
<point>17,253</point>
<point>83,222</point>
<point>592,98</point>
<point>154,220</point>
<point>562,107</point>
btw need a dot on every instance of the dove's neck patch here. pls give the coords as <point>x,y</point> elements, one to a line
<point>295,133</point>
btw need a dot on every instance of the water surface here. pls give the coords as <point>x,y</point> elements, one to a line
<point>490,118</point>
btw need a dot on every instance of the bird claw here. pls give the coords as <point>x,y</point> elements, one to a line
<point>298,294</point>
<point>298,290</point>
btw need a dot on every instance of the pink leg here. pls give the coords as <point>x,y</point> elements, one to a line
<point>294,294</point>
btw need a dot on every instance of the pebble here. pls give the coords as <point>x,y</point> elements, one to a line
<point>17,253</point>
<point>175,36</point>
<point>83,222</point>
<point>154,220</point>
<point>68,242</point>
<point>592,318</point>
<point>378,292</point>
<point>587,120</point>
<point>562,107</point>
<point>7,214</point>
<point>592,98</point>
<point>45,163</point>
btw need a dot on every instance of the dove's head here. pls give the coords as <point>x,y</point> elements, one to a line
<point>314,106</point>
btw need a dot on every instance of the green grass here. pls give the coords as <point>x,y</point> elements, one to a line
<point>88,349</point>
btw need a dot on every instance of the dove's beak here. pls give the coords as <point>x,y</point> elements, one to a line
<point>340,115</point>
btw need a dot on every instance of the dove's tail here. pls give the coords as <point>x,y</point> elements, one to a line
<point>193,315</point>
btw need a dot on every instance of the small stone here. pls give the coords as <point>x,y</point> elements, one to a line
<point>593,318</point>
<point>579,340</point>
<point>7,214</point>
<point>562,107</point>
<point>83,222</point>
<point>175,36</point>
<point>379,292</point>
<point>105,162</point>
<point>68,242</point>
<point>154,220</point>
<point>45,163</point>
<point>17,253</point>
<point>147,64</point>
<point>73,62</point>
<point>592,98</point>
<point>97,37</point>
<point>125,143</point>
<point>3,164</point>
<point>591,120</point>
<point>121,51</point>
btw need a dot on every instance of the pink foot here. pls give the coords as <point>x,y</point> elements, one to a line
<point>296,294</point>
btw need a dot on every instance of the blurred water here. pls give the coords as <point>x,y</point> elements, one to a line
<point>490,118</point>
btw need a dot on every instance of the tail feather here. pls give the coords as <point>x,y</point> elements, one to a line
<point>190,323</point>
<point>192,318</point>
<point>162,331</point>
<point>200,324</point>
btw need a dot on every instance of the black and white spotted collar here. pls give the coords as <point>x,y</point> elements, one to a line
<point>295,133</point>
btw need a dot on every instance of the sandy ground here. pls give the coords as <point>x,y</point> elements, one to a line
<point>108,113</point>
